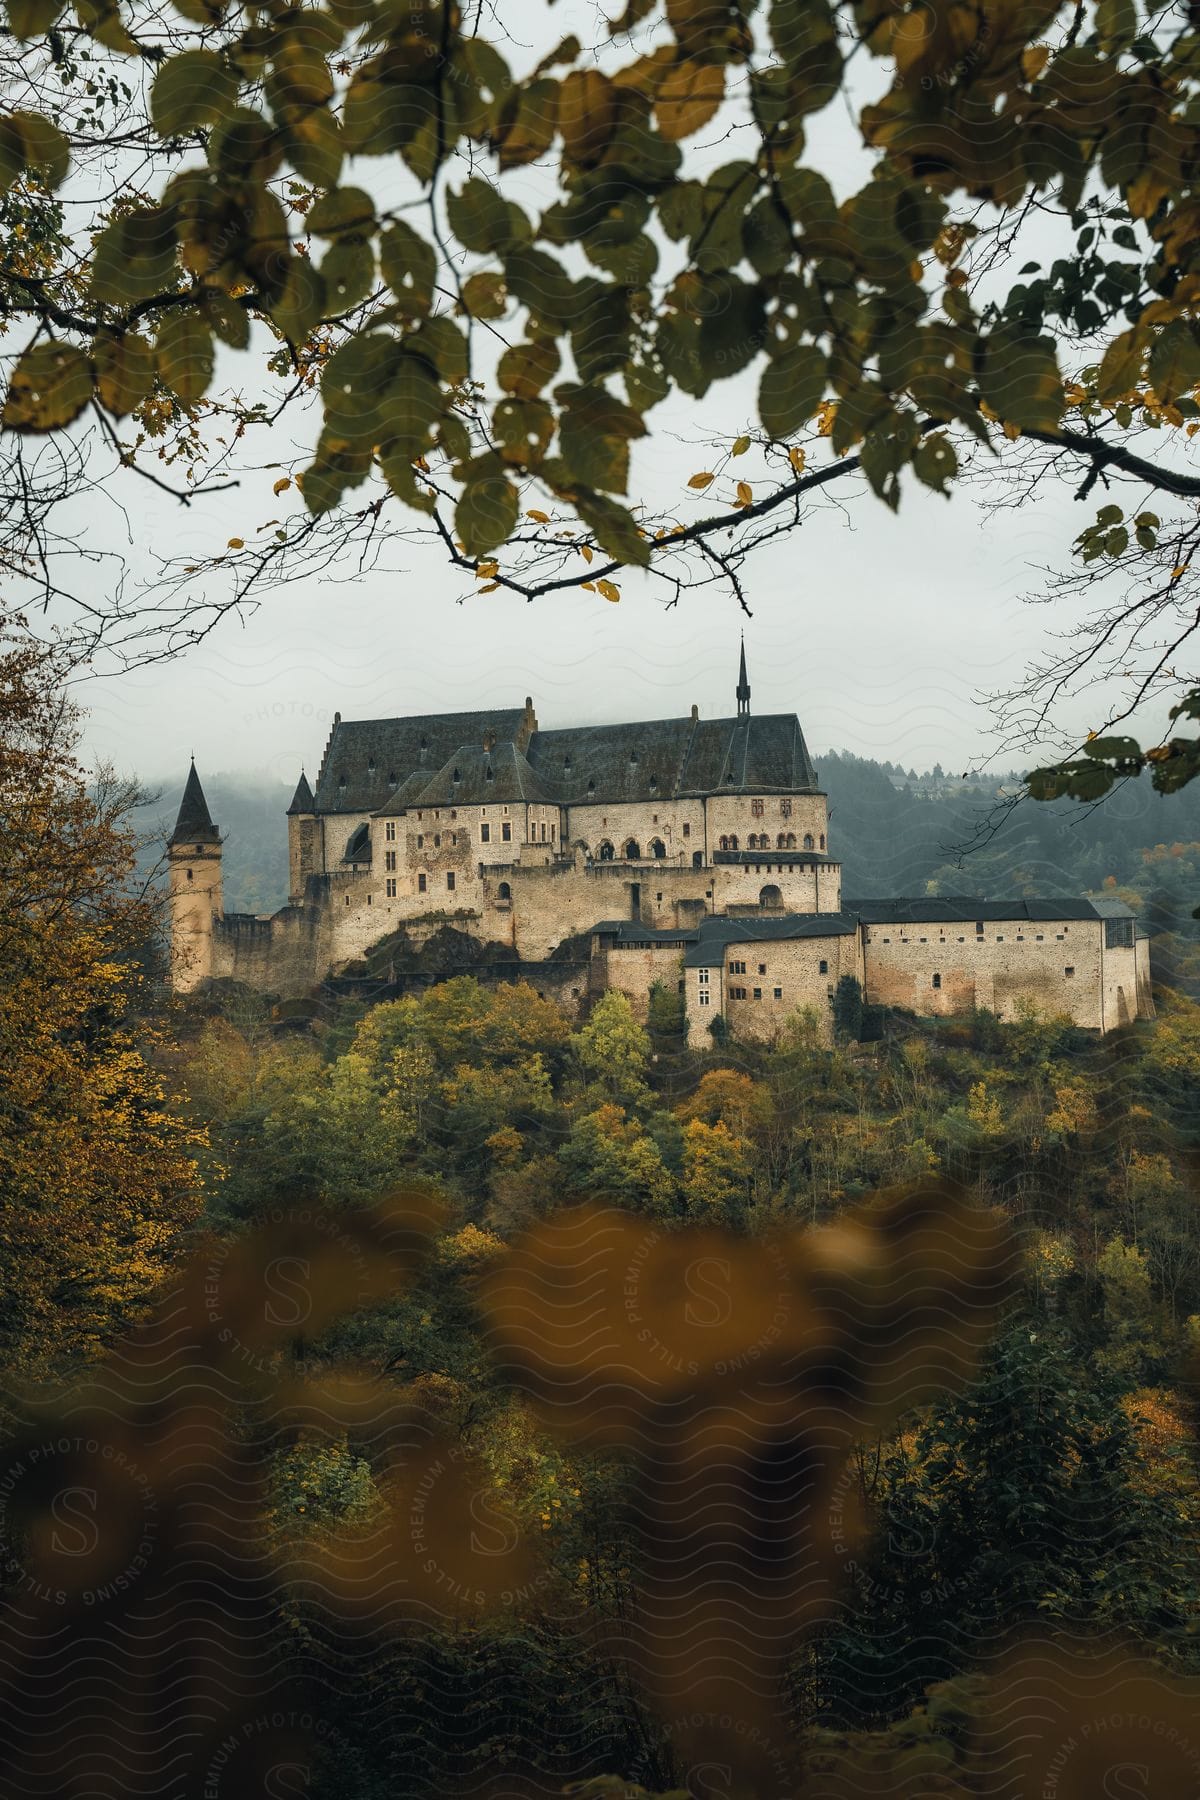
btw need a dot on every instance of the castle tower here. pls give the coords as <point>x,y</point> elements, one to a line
<point>302,840</point>
<point>194,860</point>
<point>743,687</point>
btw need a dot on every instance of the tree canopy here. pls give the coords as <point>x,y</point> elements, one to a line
<point>493,252</point>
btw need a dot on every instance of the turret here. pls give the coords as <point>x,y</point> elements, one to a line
<point>303,859</point>
<point>743,687</point>
<point>194,861</point>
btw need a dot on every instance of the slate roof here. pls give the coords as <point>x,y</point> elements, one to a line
<point>194,823</point>
<point>302,799</point>
<point>374,756</point>
<point>705,944</point>
<point>369,764</point>
<point>474,776</point>
<point>958,908</point>
<point>656,759</point>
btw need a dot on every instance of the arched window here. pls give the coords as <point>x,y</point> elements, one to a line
<point>808,840</point>
<point>633,851</point>
<point>606,851</point>
<point>724,844</point>
<point>780,842</point>
<point>770,896</point>
<point>733,843</point>
<point>822,840</point>
<point>791,841</point>
<point>504,891</point>
<point>657,849</point>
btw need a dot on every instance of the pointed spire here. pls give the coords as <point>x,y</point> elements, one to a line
<point>743,687</point>
<point>194,824</point>
<point>302,799</point>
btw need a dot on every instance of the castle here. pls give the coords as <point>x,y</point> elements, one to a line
<point>686,852</point>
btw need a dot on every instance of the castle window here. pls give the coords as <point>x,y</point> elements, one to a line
<point>341,781</point>
<point>791,841</point>
<point>924,940</point>
<point>504,891</point>
<point>389,861</point>
<point>733,843</point>
<point>823,968</point>
<point>370,765</point>
<point>487,773</point>
<point>979,928</point>
<point>591,787</point>
<point>808,840</point>
<point>762,968</point>
<point>389,888</point>
<point>654,781</point>
<point>937,980</point>
<point>758,993</point>
<point>450,879</point>
<point>456,776</point>
<point>704,997</point>
<point>702,977</point>
<point>633,756</point>
<point>543,831</point>
<point>658,896</point>
<point>770,896</point>
<point>756,808</point>
<point>606,851</point>
<point>437,840</point>
<point>370,897</point>
<point>687,830</point>
<point>780,841</point>
<point>657,849</point>
<point>347,899</point>
<point>633,851</point>
<point>822,840</point>
<point>999,937</point>
<point>552,834</point>
<point>785,809</point>
<point>1039,937</point>
<point>190,877</point>
<point>389,831</point>
<point>391,777</point>
<point>485,833</point>
<point>1070,969</point>
<point>506,831</point>
<point>779,993</point>
<point>422,884</point>
<point>453,836</point>
<point>420,838</point>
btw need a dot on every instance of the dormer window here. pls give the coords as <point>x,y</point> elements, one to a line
<point>341,781</point>
<point>633,756</point>
<point>456,776</point>
<point>591,787</point>
<point>566,762</point>
<point>654,781</point>
<point>391,777</point>
<point>488,773</point>
<point>370,765</point>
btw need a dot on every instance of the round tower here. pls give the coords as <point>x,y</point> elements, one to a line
<point>194,861</point>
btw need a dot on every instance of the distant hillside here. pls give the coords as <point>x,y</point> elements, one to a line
<point>251,813</point>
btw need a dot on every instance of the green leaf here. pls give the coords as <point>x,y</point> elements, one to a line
<point>731,324</point>
<point>405,481</point>
<point>302,304</point>
<point>336,466</point>
<point>12,154</point>
<point>184,353</point>
<point>613,528</point>
<point>348,271</point>
<point>45,146</point>
<point>525,369</point>
<point>935,462</point>
<point>124,371</point>
<point>1121,367</point>
<point>441,343</point>
<point>595,429</point>
<point>135,257</point>
<point>1019,378</point>
<point>50,386</point>
<point>246,146</point>
<point>1174,360</point>
<point>345,215</point>
<point>354,382</point>
<point>192,89</point>
<point>1111,749</point>
<point>409,407</point>
<point>409,267</point>
<point>314,147</point>
<point>482,219</point>
<point>791,390</point>
<point>225,318</point>
<point>30,18</point>
<point>486,514</point>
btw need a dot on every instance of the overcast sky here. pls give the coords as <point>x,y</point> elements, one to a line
<point>881,632</point>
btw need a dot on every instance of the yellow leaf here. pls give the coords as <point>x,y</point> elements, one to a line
<point>740,446</point>
<point>282,486</point>
<point>1034,60</point>
<point>1178,570</point>
<point>609,590</point>
<point>237,544</point>
<point>589,585</point>
<point>487,569</point>
<point>586,552</point>
<point>1012,432</point>
<point>702,480</point>
<point>541,517</point>
<point>745,493</point>
<point>490,588</point>
<point>797,459</point>
<point>826,414</point>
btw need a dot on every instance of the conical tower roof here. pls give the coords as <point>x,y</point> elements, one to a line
<point>302,799</point>
<point>194,824</point>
